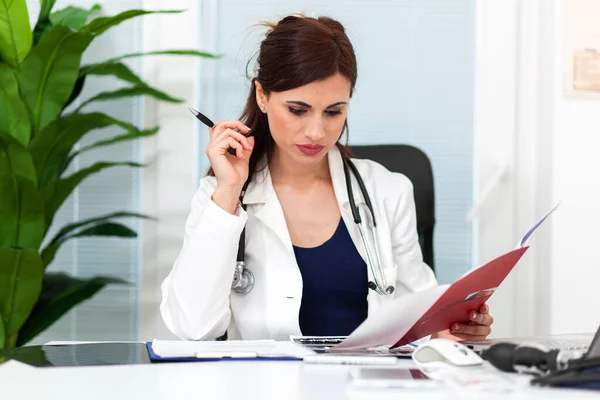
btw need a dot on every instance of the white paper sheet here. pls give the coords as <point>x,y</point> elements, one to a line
<point>264,348</point>
<point>392,320</point>
<point>529,234</point>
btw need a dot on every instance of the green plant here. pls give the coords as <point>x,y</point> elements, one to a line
<point>40,75</point>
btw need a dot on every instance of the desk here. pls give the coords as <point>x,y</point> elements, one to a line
<point>229,380</point>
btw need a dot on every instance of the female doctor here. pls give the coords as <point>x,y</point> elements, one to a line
<point>312,270</point>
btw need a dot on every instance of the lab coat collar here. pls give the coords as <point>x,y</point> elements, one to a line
<point>261,190</point>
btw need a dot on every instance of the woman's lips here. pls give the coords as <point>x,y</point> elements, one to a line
<point>310,149</point>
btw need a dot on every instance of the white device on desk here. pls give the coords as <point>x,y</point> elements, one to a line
<point>460,369</point>
<point>439,353</point>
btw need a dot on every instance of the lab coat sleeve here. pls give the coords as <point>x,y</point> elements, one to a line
<point>195,295</point>
<point>413,273</point>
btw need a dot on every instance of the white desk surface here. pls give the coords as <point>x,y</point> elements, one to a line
<point>222,380</point>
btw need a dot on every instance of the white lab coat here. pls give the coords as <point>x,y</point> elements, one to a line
<point>197,300</point>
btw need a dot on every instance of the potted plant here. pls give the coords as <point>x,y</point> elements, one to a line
<point>40,75</point>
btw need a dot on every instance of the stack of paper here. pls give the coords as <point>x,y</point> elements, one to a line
<point>262,348</point>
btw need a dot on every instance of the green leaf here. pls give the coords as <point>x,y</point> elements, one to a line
<point>73,17</point>
<point>15,159</point>
<point>20,284</point>
<point>60,293</point>
<point>76,225</point>
<point>48,74</point>
<point>102,24</point>
<point>107,229</point>
<point>52,146</point>
<point>118,70</point>
<point>108,142</point>
<point>120,138</point>
<point>11,340</point>
<point>32,355</point>
<point>15,32</point>
<point>56,193</point>
<point>14,119</point>
<point>182,52</point>
<point>43,23</point>
<point>79,83</point>
<point>2,333</point>
<point>130,92</point>
<point>46,9</point>
<point>21,213</point>
<point>123,72</point>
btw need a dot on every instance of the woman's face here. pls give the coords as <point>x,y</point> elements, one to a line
<point>307,121</point>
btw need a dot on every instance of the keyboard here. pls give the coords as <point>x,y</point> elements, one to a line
<point>579,342</point>
<point>565,344</point>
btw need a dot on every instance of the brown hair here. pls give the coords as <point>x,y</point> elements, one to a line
<point>296,51</point>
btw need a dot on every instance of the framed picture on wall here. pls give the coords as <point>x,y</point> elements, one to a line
<point>581,48</point>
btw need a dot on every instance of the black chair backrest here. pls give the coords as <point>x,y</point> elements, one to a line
<point>415,164</point>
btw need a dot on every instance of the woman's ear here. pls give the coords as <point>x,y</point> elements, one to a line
<point>261,97</point>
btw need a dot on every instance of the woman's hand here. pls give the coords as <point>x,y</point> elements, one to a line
<point>231,171</point>
<point>478,329</point>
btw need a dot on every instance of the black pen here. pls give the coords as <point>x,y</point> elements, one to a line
<point>203,118</point>
<point>206,121</point>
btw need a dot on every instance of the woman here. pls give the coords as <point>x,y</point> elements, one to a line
<point>301,242</point>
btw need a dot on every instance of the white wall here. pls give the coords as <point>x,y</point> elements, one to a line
<point>575,267</point>
<point>553,156</point>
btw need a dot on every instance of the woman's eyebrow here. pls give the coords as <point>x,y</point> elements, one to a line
<point>300,103</point>
<point>339,103</point>
<point>303,104</point>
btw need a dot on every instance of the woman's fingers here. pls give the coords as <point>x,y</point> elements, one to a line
<point>235,135</point>
<point>247,153</point>
<point>471,330</point>
<point>221,126</point>
<point>480,318</point>
<point>229,138</point>
<point>231,142</point>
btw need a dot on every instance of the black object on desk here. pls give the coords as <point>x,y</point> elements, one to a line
<point>71,355</point>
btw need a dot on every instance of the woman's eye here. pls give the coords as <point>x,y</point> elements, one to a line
<point>296,111</point>
<point>333,113</point>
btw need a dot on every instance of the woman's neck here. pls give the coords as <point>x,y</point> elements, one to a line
<point>285,170</point>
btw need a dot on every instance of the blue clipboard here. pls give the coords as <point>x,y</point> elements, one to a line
<point>156,358</point>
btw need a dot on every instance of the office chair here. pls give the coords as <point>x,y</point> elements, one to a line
<point>415,164</point>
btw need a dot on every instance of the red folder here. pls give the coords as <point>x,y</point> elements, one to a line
<point>463,296</point>
<point>416,315</point>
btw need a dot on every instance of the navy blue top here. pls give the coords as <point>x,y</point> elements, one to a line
<point>334,294</point>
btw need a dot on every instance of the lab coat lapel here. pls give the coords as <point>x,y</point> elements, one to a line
<point>271,213</point>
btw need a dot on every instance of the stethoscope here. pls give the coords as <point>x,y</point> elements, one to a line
<point>243,278</point>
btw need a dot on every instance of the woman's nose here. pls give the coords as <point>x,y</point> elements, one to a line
<point>316,130</point>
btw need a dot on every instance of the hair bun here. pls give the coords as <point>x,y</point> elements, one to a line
<point>332,24</point>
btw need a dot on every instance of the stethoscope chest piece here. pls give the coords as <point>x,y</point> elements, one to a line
<point>243,278</point>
